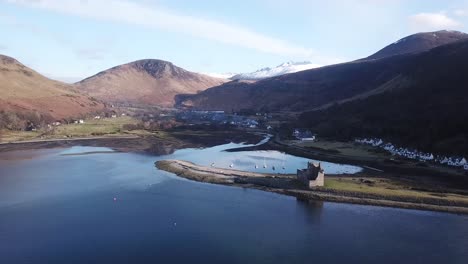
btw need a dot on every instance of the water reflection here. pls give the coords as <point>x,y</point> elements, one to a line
<point>310,209</point>
<point>262,161</point>
<point>66,203</point>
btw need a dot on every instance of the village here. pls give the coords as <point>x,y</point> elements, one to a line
<point>459,162</point>
<point>222,118</point>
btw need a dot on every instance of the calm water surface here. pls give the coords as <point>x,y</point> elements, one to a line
<point>90,205</point>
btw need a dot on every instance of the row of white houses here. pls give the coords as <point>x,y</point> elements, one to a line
<point>414,154</point>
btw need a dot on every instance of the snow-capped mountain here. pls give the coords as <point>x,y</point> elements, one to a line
<point>227,75</point>
<point>285,68</point>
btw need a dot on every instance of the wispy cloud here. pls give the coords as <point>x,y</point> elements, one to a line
<point>432,21</point>
<point>95,52</point>
<point>156,17</point>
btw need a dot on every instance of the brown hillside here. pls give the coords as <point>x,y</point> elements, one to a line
<point>26,91</point>
<point>145,82</point>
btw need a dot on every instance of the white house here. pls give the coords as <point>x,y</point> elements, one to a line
<point>312,138</point>
<point>462,162</point>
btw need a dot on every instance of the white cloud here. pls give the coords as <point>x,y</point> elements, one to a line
<point>432,21</point>
<point>155,17</point>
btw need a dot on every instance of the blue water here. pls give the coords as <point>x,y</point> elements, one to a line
<point>255,161</point>
<point>118,208</point>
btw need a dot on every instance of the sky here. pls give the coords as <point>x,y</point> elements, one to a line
<point>70,40</point>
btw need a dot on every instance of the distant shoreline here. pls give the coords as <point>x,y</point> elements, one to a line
<point>69,139</point>
<point>154,142</point>
<point>288,185</point>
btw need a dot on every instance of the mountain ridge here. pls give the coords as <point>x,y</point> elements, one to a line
<point>145,82</point>
<point>310,89</point>
<point>419,42</point>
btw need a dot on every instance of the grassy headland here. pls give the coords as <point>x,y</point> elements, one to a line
<point>347,188</point>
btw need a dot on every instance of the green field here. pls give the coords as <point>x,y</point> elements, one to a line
<point>95,127</point>
<point>91,127</point>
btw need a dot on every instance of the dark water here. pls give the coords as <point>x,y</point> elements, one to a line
<point>57,208</point>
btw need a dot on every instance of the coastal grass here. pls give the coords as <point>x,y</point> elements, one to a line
<point>342,148</point>
<point>95,127</point>
<point>389,188</point>
<point>13,136</point>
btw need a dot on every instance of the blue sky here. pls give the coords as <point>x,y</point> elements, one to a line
<point>73,39</point>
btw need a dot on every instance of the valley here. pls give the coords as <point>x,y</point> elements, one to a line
<point>153,106</point>
<point>135,131</point>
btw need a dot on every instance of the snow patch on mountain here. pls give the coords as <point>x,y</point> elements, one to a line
<point>285,68</point>
<point>227,75</point>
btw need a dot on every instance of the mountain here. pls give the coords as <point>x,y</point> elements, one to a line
<point>419,42</point>
<point>227,75</point>
<point>425,105</point>
<point>285,68</point>
<point>315,88</point>
<point>416,98</point>
<point>300,91</point>
<point>145,82</point>
<point>26,94</point>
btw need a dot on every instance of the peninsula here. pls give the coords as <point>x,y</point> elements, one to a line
<point>361,188</point>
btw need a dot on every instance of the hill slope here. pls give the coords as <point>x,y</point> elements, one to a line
<point>429,113</point>
<point>27,94</point>
<point>419,42</point>
<point>316,88</point>
<point>299,91</point>
<point>145,82</point>
<point>414,99</point>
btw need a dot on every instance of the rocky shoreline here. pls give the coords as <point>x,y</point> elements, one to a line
<point>288,185</point>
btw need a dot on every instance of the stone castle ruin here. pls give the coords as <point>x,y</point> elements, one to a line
<point>313,176</point>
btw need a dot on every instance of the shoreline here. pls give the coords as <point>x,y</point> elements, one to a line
<point>69,139</point>
<point>443,198</point>
<point>288,185</point>
<point>428,175</point>
<point>154,142</point>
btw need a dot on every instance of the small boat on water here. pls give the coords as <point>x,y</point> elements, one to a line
<point>212,164</point>
<point>273,167</point>
<point>264,163</point>
<point>232,165</point>
<point>256,166</point>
